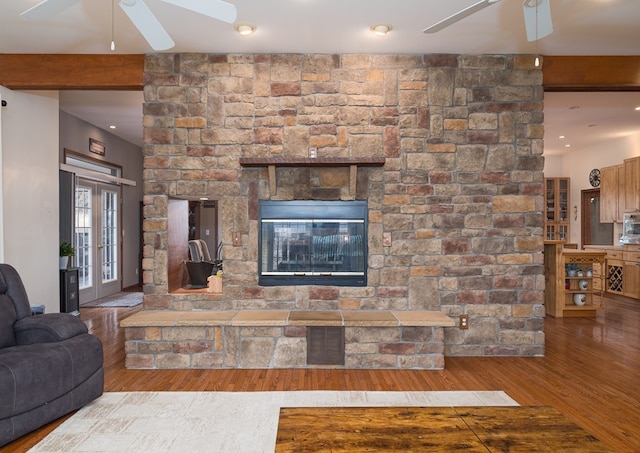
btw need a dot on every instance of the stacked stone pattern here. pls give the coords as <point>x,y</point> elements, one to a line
<point>460,193</point>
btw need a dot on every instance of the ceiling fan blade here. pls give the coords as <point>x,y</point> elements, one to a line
<point>537,12</point>
<point>148,25</point>
<point>444,23</point>
<point>47,8</point>
<point>226,12</point>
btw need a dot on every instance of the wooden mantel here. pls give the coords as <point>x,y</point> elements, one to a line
<point>272,162</point>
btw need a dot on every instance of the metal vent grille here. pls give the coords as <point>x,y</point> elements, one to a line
<point>325,345</point>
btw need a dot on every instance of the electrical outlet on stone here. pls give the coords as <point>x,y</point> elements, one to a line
<point>236,239</point>
<point>464,322</point>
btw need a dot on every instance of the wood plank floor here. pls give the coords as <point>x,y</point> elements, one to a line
<point>590,373</point>
<point>519,429</point>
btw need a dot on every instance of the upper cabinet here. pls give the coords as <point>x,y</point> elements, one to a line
<point>619,190</point>
<point>556,201</point>
<point>632,184</point>
<point>612,198</point>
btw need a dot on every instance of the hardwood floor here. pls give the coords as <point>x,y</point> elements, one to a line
<point>590,373</point>
<point>444,429</point>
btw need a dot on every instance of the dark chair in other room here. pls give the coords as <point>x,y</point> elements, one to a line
<point>200,267</point>
<point>49,364</point>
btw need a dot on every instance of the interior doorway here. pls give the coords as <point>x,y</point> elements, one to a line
<point>592,231</point>
<point>97,233</point>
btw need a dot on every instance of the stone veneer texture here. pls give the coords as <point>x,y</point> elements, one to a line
<point>460,193</point>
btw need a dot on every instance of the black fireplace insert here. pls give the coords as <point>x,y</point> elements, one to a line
<point>313,243</point>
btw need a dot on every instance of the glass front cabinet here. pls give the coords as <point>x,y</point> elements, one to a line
<point>556,220</point>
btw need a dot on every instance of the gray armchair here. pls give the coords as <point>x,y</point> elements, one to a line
<point>49,364</point>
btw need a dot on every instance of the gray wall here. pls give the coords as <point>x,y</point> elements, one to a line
<point>74,135</point>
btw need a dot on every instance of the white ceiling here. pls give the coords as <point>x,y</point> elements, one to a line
<point>581,27</point>
<point>122,109</point>
<point>585,119</point>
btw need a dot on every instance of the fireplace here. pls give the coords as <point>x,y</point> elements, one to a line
<point>313,243</point>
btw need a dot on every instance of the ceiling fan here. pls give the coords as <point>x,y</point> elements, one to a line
<point>142,17</point>
<point>537,17</point>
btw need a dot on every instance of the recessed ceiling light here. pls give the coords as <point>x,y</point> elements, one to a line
<point>638,108</point>
<point>562,136</point>
<point>112,127</point>
<point>567,145</point>
<point>380,29</point>
<point>245,29</point>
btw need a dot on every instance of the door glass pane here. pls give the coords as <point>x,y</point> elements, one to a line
<point>83,240</point>
<point>600,233</point>
<point>563,201</point>
<point>109,236</point>
<point>551,202</point>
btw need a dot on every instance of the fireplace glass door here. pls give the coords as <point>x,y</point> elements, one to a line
<point>325,251</point>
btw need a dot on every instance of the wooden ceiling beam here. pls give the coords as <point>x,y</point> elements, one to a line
<point>71,72</point>
<point>591,73</point>
<point>125,72</point>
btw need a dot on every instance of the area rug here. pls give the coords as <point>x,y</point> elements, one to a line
<point>217,421</point>
<point>121,299</point>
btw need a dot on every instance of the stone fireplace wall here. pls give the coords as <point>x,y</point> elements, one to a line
<point>455,214</point>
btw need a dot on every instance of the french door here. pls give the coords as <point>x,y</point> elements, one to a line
<point>97,239</point>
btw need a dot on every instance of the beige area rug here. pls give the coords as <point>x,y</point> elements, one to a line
<point>193,422</point>
<point>121,299</point>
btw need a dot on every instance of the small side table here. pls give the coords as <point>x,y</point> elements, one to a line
<point>69,296</point>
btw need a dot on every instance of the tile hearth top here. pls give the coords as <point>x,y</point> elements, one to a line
<point>315,318</point>
<point>369,318</point>
<point>260,318</point>
<point>280,318</point>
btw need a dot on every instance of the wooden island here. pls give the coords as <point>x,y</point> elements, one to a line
<point>573,280</point>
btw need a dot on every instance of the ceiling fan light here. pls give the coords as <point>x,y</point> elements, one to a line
<point>245,29</point>
<point>381,29</point>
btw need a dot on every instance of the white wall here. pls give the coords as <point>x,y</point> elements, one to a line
<point>30,192</point>
<point>577,164</point>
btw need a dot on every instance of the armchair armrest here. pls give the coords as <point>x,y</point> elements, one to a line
<point>48,328</point>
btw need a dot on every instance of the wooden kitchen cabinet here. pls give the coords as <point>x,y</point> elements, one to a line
<point>556,201</point>
<point>612,193</point>
<point>632,184</point>
<point>631,256</point>
<point>569,294</point>
<point>614,272</point>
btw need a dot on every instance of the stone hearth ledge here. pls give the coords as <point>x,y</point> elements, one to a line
<point>264,318</point>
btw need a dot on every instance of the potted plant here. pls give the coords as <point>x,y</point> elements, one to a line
<point>66,250</point>
<point>572,269</point>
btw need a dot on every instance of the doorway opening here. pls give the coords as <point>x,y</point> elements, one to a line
<point>592,231</point>
<point>188,220</point>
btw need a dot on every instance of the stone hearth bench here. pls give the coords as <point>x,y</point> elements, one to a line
<point>278,338</point>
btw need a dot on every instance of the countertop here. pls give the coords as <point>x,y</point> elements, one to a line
<point>605,247</point>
